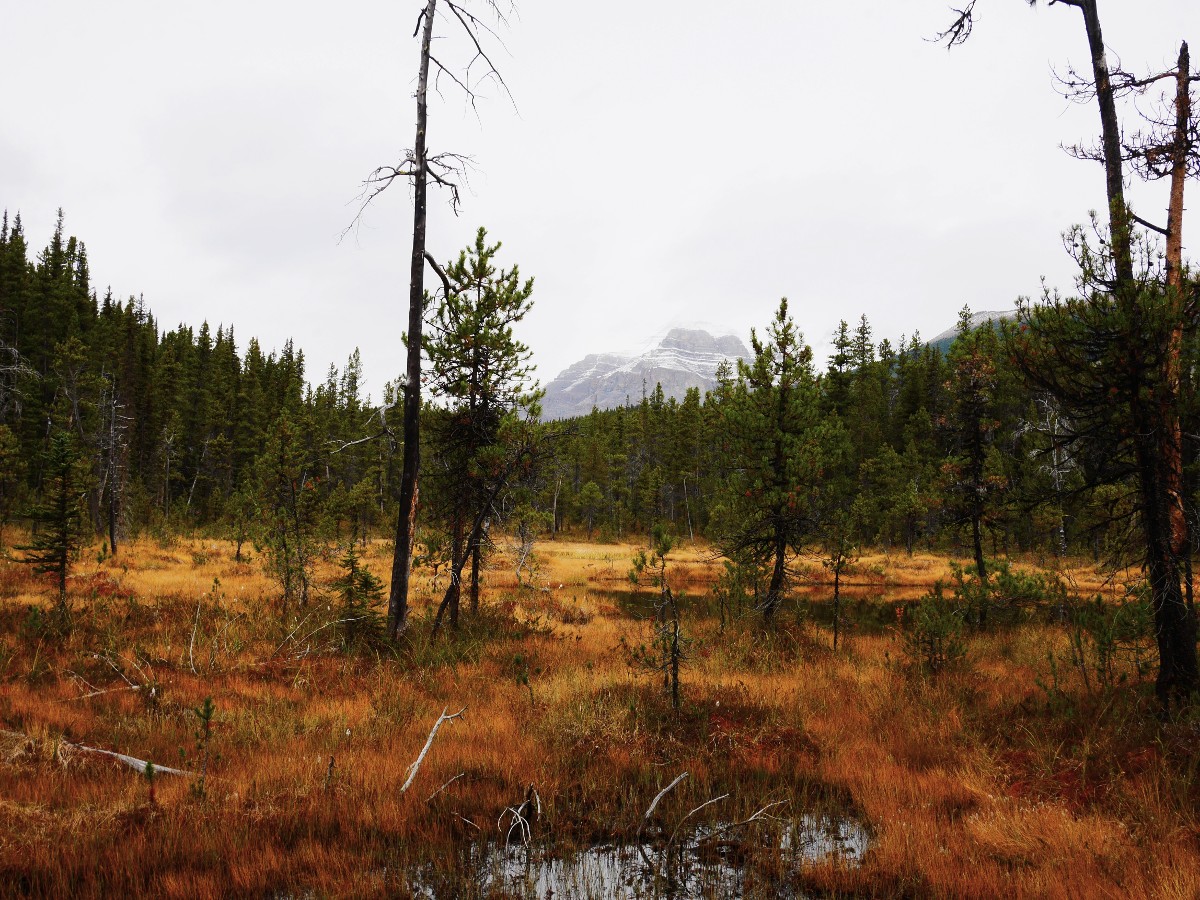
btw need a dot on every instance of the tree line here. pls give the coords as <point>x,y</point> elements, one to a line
<point>905,445</point>
<point>113,426</point>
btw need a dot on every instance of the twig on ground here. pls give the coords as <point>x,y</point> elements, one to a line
<point>444,786</point>
<point>192,642</point>
<point>97,693</point>
<point>674,833</point>
<point>148,682</point>
<point>290,635</point>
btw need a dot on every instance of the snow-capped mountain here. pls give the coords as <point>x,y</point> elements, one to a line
<point>946,338</point>
<point>684,358</point>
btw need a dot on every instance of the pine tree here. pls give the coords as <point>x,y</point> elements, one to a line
<point>57,517</point>
<point>361,595</point>
<point>784,448</point>
<point>972,425</point>
<point>482,372</point>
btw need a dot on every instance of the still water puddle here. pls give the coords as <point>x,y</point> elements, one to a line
<point>710,861</point>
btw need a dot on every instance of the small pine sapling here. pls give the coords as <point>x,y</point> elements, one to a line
<point>204,714</point>
<point>840,553</point>
<point>361,594</point>
<point>149,774</point>
<point>58,521</point>
<point>665,652</point>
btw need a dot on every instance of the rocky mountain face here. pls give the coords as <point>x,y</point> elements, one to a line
<point>685,358</point>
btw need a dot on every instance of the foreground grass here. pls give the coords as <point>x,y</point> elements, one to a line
<point>1005,777</point>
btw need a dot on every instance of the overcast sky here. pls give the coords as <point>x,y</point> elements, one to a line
<point>666,162</point>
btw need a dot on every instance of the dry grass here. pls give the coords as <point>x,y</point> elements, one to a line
<point>980,783</point>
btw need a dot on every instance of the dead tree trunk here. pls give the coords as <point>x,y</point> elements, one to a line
<point>407,516</point>
<point>1179,150</point>
<point>1175,616</point>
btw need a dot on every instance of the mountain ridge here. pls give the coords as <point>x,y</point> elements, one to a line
<point>684,358</point>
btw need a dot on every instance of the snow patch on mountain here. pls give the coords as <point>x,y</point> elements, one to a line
<point>683,358</point>
<point>944,339</point>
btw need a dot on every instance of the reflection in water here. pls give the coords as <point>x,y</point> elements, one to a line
<point>711,861</point>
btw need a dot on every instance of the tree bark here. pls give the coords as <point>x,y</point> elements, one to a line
<point>778,573</point>
<point>1169,398</point>
<point>1110,136</point>
<point>1174,622</point>
<point>112,523</point>
<point>458,557</point>
<point>475,559</point>
<point>406,518</point>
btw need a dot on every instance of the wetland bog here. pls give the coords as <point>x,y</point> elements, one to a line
<point>809,772</point>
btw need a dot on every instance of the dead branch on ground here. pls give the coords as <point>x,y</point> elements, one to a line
<point>412,770</point>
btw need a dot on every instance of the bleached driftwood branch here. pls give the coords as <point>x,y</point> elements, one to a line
<point>520,817</point>
<point>132,761</point>
<point>654,803</point>
<point>412,770</point>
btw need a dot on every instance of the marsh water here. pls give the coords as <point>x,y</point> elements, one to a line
<point>711,861</point>
<point>714,860</point>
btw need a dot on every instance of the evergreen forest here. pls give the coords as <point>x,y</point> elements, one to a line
<point>915,619</point>
<point>181,429</point>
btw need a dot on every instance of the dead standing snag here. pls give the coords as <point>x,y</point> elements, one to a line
<point>419,167</point>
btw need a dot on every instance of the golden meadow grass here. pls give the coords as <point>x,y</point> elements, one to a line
<point>1005,777</point>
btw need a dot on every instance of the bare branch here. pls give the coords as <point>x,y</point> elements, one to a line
<point>520,817</point>
<point>1146,224</point>
<point>654,803</point>
<point>440,272</point>
<point>959,30</point>
<point>412,770</point>
<point>470,24</point>
<point>444,786</point>
<point>692,813</point>
<point>290,635</point>
<point>760,816</point>
<point>443,70</point>
<point>386,432</point>
<point>373,185</point>
<point>94,691</point>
